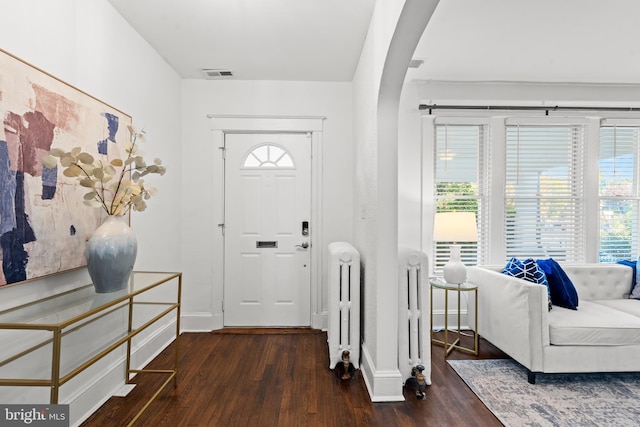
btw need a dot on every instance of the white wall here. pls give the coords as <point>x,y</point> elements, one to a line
<point>202,241</point>
<point>393,35</point>
<point>87,44</point>
<point>410,170</point>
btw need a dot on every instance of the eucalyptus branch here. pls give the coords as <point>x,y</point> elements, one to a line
<point>97,194</point>
<point>124,194</point>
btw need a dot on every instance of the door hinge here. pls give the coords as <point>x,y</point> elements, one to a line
<point>223,305</point>
<point>222,226</point>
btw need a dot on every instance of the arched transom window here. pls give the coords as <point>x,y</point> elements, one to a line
<point>268,156</point>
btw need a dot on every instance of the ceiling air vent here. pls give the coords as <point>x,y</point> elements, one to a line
<point>217,73</point>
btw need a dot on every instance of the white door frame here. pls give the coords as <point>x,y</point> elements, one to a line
<point>223,124</point>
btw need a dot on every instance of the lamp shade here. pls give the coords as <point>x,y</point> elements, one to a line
<point>455,227</point>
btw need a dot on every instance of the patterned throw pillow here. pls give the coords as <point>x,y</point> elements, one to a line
<point>529,271</point>
<point>513,268</point>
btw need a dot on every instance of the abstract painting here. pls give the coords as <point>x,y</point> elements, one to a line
<point>44,225</point>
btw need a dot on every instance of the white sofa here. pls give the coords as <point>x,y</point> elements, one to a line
<point>602,335</point>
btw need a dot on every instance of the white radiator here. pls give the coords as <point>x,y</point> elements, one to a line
<point>344,303</point>
<point>414,347</point>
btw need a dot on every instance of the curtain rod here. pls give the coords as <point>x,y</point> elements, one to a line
<point>431,107</point>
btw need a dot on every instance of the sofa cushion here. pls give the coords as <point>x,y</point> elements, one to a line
<point>630,306</point>
<point>561,289</point>
<point>593,324</point>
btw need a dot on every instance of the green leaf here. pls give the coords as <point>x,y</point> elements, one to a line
<point>49,161</point>
<point>140,162</point>
<point>57,152</point>
<point>89,169</point>
<point>93,203</point>
<point>85,158</point>
<point>98,173</point>
<point>109,170</point>
<point>116,162</point>
<point>66,160</point>
<point>90,195</point>
<point>75,151</point>
<point>87,182</point>
<point>72,171</point>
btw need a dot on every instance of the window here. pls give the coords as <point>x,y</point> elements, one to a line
<point>562,187</point>
<point>460,182</point>
<point>268,156</point>
<point>618,191</point>
<point>544,202</point>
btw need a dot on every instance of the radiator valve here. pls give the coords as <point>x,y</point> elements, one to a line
<point>417,381</point>
<point>346,368</point>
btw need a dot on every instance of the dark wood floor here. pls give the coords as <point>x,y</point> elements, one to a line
<point>281,378</point>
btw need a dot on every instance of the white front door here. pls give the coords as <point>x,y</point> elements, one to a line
<point>267,278</point>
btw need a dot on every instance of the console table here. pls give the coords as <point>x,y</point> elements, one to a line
<point>39,328</point>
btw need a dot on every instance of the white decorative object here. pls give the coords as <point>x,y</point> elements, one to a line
<point>455,227</point>
<point>111,254</point>
<point>454,270</point>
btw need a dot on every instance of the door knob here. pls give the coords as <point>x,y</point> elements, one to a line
<point>304,245</point>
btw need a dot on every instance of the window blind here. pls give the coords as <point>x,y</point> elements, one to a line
<point>618,193</point>
<point>460,184</point>
<point>544,205</point>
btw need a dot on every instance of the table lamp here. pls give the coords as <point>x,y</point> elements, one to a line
<point>455,227</point>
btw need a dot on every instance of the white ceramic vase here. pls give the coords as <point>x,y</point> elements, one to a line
<point>454,271</point>
<point>111,253</point>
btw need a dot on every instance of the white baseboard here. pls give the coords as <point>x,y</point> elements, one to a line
<point>90,397</point>
<point>320,321</point>
<point>207,322</point>
<point>201,322</point>
<point>383,386</point>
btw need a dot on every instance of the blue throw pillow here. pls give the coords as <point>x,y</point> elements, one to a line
<point>635,289</point>
<point>513,268</point>
<point>529,271</point>
<point>563,292</point>
<point>634,292</point>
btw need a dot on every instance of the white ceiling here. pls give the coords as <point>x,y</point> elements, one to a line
<point>583,41</point>
<point>308,40</point>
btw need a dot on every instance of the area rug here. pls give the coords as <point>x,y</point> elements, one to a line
<point>556,399</point>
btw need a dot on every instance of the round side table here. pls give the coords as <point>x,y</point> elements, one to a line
<point>438,283</point>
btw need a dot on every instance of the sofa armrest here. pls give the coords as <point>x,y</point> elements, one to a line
<point>512,315</point>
